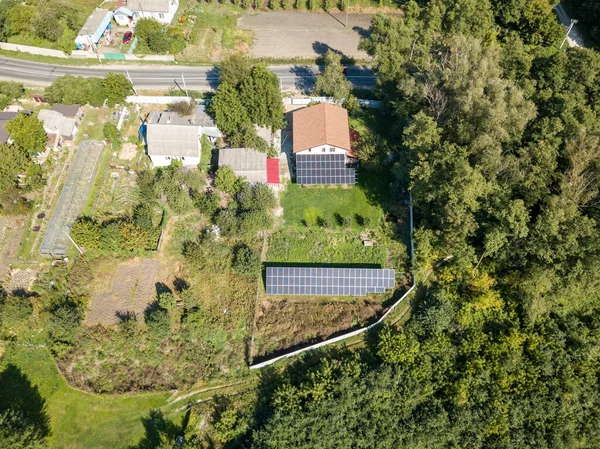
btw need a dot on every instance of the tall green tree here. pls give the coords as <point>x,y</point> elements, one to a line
<point>230,114</point>
<point>27,133</point>
<point>116,87</point>
<point>332,82</point>
<point>261,96</point>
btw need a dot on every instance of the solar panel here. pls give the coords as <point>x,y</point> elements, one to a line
<point>328,281</point>
<point>323,168</point>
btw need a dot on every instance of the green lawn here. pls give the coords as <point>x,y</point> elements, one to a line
<point>304,206</point>
<point>80,420</point>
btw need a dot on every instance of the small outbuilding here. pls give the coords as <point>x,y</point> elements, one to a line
<point>95,26</point>
<point>56,123</point>
<point>123,16</point>
<point>245,162</point>
<point>162,11</point>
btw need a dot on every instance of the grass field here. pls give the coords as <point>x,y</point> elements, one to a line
<point>304,206</point>
<point>79,420</point>
<point>214,33</point>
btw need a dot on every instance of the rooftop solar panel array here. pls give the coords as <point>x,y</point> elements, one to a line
<point>328,281</point>
<point>323,169</point>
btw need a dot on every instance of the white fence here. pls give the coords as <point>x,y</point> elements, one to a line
<point>164,58</point>
<point>143,99</point>
<point>45,51</point>
<point>362,330</point>
<point>372,104</point>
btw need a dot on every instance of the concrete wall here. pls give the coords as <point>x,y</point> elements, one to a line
<point>372,104</point>
<point>45,51</point>
<point>165,58</point>
<point>142,99</point>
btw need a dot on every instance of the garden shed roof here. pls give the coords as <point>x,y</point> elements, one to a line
<point>245,162</point>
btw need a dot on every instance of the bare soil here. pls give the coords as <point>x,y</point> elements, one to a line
<point>127,287</point>
<point>293,34</point>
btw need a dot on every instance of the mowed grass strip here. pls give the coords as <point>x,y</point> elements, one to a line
<point>304,206</point>
<point>80,420</point>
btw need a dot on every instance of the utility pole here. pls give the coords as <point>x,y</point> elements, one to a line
<point>184,86</point>
<point>573,22</point>
<point>347,5</point>
<point>132,86</point>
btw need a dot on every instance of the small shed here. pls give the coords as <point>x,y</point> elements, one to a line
<point>123,16</point>
<point>94,28</point>
<point>245,162</point>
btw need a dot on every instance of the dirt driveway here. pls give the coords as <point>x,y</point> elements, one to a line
<point>292,34</point>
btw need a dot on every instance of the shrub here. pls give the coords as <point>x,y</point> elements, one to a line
<point>257,197</point>
<point>14,311</point>
<point>226,180</point>
<point>167,300</point>
<point>183,108</point>
<point>63,328</point>
<point>347,221</point>
<point>254,221</point>
<point>205,153</point>
<point>112,133</point>
<point>208,203</point>
<point>227,221</point>
<point>246,261</point>
<point>158,322</point>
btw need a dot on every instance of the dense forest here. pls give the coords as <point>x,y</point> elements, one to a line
<point>496,135</point>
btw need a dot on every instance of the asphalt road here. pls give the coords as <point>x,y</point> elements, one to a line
<point>292,77</point>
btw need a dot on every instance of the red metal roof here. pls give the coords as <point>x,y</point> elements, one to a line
<point>272,170</point>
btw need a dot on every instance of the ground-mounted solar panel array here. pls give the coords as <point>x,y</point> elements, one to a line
<point>323,169</point>
<point>328,281</point>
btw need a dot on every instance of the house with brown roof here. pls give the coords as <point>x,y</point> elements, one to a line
<point>319,129</point>
<point>321,145</point>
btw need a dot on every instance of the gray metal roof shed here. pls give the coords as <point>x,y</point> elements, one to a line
<point>245,162</point>
<point>172,140</point>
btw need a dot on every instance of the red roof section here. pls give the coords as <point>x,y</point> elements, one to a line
<point>272,170</point>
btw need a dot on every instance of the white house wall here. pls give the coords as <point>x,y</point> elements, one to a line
<point>323,149</point>
<point>165,161</point>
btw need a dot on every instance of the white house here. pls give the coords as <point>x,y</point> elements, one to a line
<point>123,16</point>
<point>55,123</point>
<point>321,146</point>
<point>94,28</point>
<point>321,129</point>
<point>161,10</point>
<point>169,137</point>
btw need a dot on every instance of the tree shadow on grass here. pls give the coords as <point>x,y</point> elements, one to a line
<point>23,404</point>
<point>158,430</point>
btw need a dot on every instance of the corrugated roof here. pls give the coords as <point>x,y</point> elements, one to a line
<point>68,110</point>
<point>94,21</point>
<point>272,170</point>
<point>4,118</point>
<point>148,5</point>
<point>202,118</point>
<point>245,162</point>
<point>172,140</point>
<point>54,121</point>
<point>122,10</point>
<point>323,124</point>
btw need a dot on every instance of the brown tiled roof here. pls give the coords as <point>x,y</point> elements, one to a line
<point>323,124</point>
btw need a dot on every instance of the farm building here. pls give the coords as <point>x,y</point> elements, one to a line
<point>321,145</point>
<point>162,11</point>
<point>169,137</point>
<point>95,26</point>
<point>253,165</point>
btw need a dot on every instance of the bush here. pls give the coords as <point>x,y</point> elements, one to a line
<point>208,203</point>
<point>205,153</point>
<point>112,133</point>
<point>158,322</point>
<point>183,108</point>
<point>63,328</point>
<point>226,180</point>
<point>14,311</point>
<point>311,215</point>
<point>257,197</point>
<point>254,221</point>
<point>167,300</point>
<point>246,261</point>
<point>227,221</point>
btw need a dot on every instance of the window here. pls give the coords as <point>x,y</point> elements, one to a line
<point>323,150</point>
<point>182,158</point>
<point>161,16</point>
<point>331,150</point>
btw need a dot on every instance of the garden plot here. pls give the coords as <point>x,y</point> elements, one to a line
<point>127,287</point>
